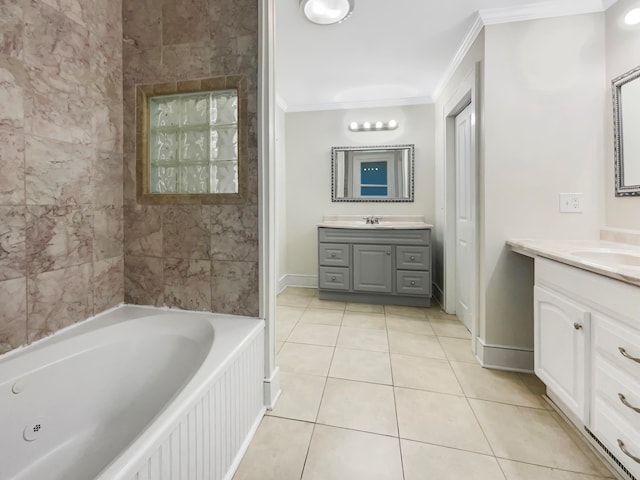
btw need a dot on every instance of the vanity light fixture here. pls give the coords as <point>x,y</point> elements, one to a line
<point>633,17</point>
<point>326,12</point>
<point>376,127</point>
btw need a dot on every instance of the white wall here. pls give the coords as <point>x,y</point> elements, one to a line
<point>281,191</point>
<point>623,47</point>
<point>544,97</point>
<point>309,138</point>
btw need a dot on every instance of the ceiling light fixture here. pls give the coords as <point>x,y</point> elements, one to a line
<point>369,127</point>
<point>633,17</point>
<point>326,12</point>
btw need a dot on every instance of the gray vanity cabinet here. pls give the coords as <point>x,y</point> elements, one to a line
<point>372,268</point>
<point>391,266</point>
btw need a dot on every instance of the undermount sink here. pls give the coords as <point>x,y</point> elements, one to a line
<point>609,257</point>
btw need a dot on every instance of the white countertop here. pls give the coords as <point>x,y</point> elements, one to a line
<point>388,222</point>
<point>577,253</point>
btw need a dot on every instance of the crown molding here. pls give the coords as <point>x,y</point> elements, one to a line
<point>391,102</point>
<point>547,9</point>
<point>463,49</point>
<point>495,16</point>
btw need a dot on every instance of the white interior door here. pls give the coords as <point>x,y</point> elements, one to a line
<point>466,261</point>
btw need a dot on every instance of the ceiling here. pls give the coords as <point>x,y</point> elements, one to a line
<point>389,52</point>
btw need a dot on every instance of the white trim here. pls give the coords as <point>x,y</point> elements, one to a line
<point>463,49</point>
<point>534,11</point>
<point>389,102</point>
<point>280,102</point>
<point>302,281</point>
<point>438,295</point>
<point>504,357</point>
<point>272,389</point>
<point>266,182</point>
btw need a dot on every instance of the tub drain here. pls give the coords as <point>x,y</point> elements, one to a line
<point>34,430</point>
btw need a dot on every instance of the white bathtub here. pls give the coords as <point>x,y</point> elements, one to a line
<point>135,393</point>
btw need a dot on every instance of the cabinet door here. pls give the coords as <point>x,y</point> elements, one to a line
<point>561,335</point>
<point>372,268</point>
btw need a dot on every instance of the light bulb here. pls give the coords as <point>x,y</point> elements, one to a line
<point>633,17</point>
<point>393,124</point>
<point>353,126</point>
<point>366,125</point>
<point>378,125</point>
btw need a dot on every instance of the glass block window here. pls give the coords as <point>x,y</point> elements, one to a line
<point>193,142</point>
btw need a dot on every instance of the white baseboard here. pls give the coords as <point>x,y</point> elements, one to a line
<point>291,280</point>
<point>272,389</point>
<point>438,295</point>
<point>504,357</point>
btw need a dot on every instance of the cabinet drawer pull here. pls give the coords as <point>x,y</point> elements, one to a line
<point>389,252</point>
<point>333,279</point>
<point>626,452</point>
<point>333,255</point>
<point>577,326</point>
<point>626,403</point>
<point>413,282</point>
<point>625,354</point>
<point>412,258</point>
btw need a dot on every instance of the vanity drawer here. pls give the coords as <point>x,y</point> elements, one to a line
<point>617,342</point>
<point>620,391</point>
<point>334,254</point>
<point>334,278</point>
<point>413,282</point>
<point>615,433</point>
<point>413,258</point>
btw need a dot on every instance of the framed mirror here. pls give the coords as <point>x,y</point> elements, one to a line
<point>626,125</point>
<point>191,141</point>
<point>372,174</point>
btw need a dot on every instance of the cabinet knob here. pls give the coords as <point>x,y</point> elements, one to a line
<point>577,326</point>
<point>389,252</point>
<point>412,257</point>
<point>333,255</point>
<point>413,282</point>
<point>333,279</point>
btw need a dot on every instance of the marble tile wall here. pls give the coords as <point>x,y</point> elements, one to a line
<point>192,257</point>
<point>61,194</point>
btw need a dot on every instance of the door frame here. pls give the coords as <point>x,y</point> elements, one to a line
<point>267,276</point>
<point>466,94</point>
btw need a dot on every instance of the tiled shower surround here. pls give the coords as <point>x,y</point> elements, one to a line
<point>61,213</point>
<point>200,257</point>
<point>73,240</point>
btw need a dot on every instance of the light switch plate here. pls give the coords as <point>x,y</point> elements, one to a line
<point>570,203</point>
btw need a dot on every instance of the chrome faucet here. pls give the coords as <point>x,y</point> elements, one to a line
<point>372,220</point>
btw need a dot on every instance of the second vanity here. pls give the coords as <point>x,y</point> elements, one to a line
<point>587,340</point>
<point>378,259</point>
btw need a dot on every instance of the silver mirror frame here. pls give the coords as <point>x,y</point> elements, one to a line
<point>617,83</point>
<point>410,198</point>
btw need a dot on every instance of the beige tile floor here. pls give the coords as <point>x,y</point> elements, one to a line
<point>372,392</point>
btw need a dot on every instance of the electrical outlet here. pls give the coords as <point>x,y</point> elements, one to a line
<point>570,203</point>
